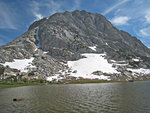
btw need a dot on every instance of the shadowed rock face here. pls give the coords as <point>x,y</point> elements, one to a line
<point>65,36</point>
<point>77,30</point>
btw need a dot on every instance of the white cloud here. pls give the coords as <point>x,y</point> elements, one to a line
<point>145,32</point>
<point>7,17</point>
<point>35,10</point>
<point>38,16</point>
<point>50,7</point>
<point>120,20</point>
<point>119,3</point>
<point>147,16</point>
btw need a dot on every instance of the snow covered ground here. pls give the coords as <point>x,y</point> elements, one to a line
<point>56,77</point>
<point>45,52</point>
<point>86,66</point>
<point>20,64</point>
<point>135,59</point>
<point>93,48</point>
<point>139,71</point>
<point>92,63</point>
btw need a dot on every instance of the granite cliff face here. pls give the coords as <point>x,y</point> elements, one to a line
<point>67,36</point>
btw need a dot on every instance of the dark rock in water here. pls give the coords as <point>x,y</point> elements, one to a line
<point>130,80</point>
<point>18,99</point>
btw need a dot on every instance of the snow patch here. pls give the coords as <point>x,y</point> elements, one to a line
<point>84,68</point>
<point>45,52</point>
<point>20,64</point>
<point>93,48</point>
<point>93,62</point>
<point>139,71</point>
<point>36,49</point>
<point>135,59</point>
<point>120,64</point>
<point>54,78</point>
<point>113,61</point>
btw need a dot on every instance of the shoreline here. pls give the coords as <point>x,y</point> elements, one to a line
<point>11,85</point>
<point>6,86</point>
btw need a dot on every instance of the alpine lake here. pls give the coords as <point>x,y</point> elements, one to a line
<point>123,97</point>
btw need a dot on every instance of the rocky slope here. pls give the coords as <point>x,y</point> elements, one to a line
<point>67,36</point>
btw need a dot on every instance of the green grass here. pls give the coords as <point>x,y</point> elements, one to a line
<point>4,85</point>
<point>90,81</point>
<point>9,84</point>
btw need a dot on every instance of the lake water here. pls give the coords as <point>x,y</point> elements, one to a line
<point>78,98</point>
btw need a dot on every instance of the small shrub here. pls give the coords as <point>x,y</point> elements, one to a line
<point>2,70</point>
<point>25,80</point>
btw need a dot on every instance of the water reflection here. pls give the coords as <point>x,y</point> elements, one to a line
<point>104,97</point>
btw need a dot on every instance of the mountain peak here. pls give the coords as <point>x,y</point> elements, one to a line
<point>68,36</point>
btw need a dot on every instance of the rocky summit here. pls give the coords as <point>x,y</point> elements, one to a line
<point>76,45</point>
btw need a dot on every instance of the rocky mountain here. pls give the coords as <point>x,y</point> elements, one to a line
<point>66,45</point>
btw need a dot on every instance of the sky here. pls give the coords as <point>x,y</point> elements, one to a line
<point>132,16</point>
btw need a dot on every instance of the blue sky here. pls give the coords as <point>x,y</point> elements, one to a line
<point>132,16</point>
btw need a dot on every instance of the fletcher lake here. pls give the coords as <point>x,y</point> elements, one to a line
<point>125,97</point>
